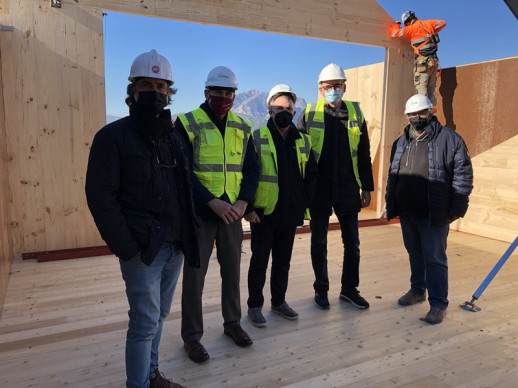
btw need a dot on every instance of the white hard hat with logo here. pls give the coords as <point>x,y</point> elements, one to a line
<point>331,72</point>
<point>417,103</point>
<point>151,65</point>
<point>221,76</point>
<point>280,89</point>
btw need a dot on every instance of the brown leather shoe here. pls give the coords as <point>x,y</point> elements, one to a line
<point>160,381</point>
<point>240,337</point>
<point>196,351</point>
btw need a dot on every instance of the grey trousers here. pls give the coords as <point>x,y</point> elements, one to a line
<point>228,246</point>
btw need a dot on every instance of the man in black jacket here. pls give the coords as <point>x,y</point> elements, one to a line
<point>430,180</point>
<point>286,188</point>
<point>340,141</point>
<point>138,188</point>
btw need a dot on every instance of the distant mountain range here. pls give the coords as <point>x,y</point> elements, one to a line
<point>251,106</point>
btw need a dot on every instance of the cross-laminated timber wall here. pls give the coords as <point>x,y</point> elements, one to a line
<point>52,89</point>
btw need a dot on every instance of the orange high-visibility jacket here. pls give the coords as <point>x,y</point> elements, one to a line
<point>419,33</point>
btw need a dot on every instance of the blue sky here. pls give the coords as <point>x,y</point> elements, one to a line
<point>476,31</point>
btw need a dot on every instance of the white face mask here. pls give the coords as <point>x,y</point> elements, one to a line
<point>333,96</point>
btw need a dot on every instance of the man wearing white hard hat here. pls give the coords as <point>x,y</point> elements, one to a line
<point>286,187</point>
<point>340,141</point>
<point>138,188</point>
<point>430,180</point>
<point>226,176</point>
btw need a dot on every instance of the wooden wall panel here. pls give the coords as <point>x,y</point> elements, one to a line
<point>55,62</point>
<point>493,207</point>
<point>6,250</point>
<point>479,102</point>
<point>398,88</point>
<point>365,84</point>
<point>354,21</point>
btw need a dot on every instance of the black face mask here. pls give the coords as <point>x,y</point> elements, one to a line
<point>152,101</point>
<point>418,123</point>
<point>283,119</point>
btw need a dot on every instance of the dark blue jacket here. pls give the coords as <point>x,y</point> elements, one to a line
<point>450,174</point>
<point>130,195</point>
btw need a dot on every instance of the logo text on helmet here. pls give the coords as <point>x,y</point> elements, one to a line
<point>155,69</point>
<point>221,75</point>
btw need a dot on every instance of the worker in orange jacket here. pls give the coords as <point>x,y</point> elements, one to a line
<point>423,36</point>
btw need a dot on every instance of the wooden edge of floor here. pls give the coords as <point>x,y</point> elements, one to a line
<point>76,253</point>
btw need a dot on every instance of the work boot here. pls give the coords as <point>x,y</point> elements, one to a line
<point>321,300</point>
<point>410,298</point>
<point>435,315</point>
<point>256,317</point>
<point>286,311</point>
<point>160,381</point>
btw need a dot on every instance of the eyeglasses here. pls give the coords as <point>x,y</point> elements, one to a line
<point>328,88</point>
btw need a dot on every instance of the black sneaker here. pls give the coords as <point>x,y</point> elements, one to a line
<point>354,298</point>
<point>286,311</point>
<point>256,317</point>
<point>321,300</point>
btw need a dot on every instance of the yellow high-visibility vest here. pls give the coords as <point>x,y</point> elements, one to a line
<point>218,162</point>
<point>267,192</point>
<point>314,117</point>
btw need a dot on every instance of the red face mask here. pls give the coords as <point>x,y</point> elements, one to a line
<point>220,105</point>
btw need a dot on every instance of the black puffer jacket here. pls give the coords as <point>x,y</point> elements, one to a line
<point>450,174</point>
<point>130,193</point>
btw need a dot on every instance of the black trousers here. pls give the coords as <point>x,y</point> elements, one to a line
<point>350,238</point>
<point>268,237</point>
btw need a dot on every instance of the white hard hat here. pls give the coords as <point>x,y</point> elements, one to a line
<point>416,103</point>
<point>330,72</point>
<point>221,76</point>
<point>407,15</point>
<point>278,89</point>
<point>151,65</point>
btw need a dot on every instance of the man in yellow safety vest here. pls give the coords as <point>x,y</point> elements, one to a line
<point>226,172</point>
<point>340,141</point>
<point>286,187</point>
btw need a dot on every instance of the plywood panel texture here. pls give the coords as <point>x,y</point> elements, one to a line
<point>5,238</point>
<point>55,67</point>
<point>354,21</point>
<point>365,84</point>
<point>479,101</point>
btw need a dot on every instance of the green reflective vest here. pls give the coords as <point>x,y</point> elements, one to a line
<point>314,117</point>
<point>267,192</point>
<point>218,162</point>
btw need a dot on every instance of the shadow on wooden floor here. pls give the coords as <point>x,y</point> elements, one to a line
<point>64,323</point>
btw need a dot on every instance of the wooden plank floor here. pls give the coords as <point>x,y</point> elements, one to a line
<point>64,323</point>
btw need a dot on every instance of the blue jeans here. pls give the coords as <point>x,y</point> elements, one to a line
<point>426,247</point>
<point>150,293</point>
